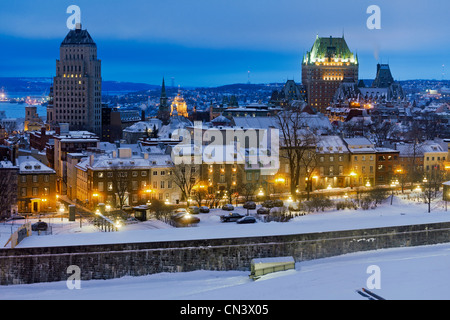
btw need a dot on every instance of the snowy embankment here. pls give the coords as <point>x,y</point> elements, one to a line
<point>402,212</point>
<point>405,273</point>
<point>416,273</point>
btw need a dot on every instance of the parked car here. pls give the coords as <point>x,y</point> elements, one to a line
<point>39,226</point>
<point>194,210</point>
<point>231,217</point>
<point>250,205</point>
<point>278,203</point>
<point>247,219</point>
<point>228,207</point>
<point>127,208</point>
<point>184,219</point>
<point>204,209</point>
<point>263,210</point>
<point>268,204</point>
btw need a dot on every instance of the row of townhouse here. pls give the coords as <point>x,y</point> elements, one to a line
<point>342,163</point>
<point>123,179</point>
<point>354,162</point>
<point>90,173</point>
<point>27,186</point>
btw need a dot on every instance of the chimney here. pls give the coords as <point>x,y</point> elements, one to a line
<point>124,153</point>
<point>142,115</point>
<point>15,154</point>
<point>91,160</point>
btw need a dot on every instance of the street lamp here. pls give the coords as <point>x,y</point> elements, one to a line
<point>352,176</point>
<point>393,184</point>
<point>95,196</point>
<point>61,210</point>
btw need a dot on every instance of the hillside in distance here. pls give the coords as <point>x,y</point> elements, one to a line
<point>37,85</point>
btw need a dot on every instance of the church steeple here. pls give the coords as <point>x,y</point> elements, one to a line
<point>163,112</point>
<point>163,89</point>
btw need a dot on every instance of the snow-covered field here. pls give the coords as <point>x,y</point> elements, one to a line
<point>418,273</point>
<point>402,212</point>
<point>406,273</point>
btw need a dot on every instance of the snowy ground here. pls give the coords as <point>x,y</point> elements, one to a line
<point>406,273</point>
<point>418,273</point>
<point>402,212</point>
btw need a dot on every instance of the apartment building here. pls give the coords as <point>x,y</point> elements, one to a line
<point>123,179</point>
<point>362,161</point>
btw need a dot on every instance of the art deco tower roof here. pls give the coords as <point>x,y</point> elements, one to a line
<point>78,37</point>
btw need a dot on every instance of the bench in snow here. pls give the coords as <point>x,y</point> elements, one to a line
<point>262,266</point>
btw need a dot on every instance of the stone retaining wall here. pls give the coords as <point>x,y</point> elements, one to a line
<point>34,265</point>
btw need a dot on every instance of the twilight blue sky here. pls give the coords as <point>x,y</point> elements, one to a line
<point>216,42</point>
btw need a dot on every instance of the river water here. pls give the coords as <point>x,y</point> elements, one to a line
<point>15,110</point>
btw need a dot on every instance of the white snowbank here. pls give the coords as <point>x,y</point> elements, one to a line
<point>416,273</point>
<point>402,212</point>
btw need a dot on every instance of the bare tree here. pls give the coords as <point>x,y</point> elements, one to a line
<point>248,190</point>
<point>381,132</point>
<point>185,176</point>
<point>309,161</point>
<point>416,137</point>
<point>431,185</point>
<point>8,190</point>
<point>121,182</point>
<point>296,141</point>
<point>200,193</point>
<point>161,211</point>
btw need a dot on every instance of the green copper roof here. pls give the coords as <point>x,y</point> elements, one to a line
<point>332,48</point>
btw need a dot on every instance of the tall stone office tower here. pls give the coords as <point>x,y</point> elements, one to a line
<point>77,86</point>
<point>325,67</point>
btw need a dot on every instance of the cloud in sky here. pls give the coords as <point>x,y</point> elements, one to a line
<point>197,40</point>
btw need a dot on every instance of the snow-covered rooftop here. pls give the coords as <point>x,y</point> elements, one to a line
<point>28,164</point>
